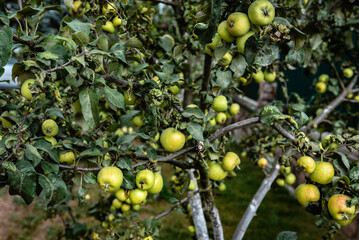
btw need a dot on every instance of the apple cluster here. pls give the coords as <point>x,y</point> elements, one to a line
<point>220,105</point>
<point>147,182</point>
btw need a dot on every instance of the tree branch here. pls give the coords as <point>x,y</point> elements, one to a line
<point>175,4</point>
<point>124,83</point>
<point>334,103</point>
<point>284,132</point>
<point>337,74</point>
<point>27,43</point>
<point>233,126</point>
<point>257,200</point>
<point>206,77</point>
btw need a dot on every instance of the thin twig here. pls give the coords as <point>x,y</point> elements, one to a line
<point>284,132</point>
<point>175,4</point>
<point>337,75</point>
<point>124,83</point>
<point>65,64</point>
<point>168,211</point>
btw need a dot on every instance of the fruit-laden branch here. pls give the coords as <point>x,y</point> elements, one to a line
<point>124,83</point>
<point>168,211</point>
<point>257,200</point>
<point>334,103</point>
<point>197,213</point>
<point>65,64</point>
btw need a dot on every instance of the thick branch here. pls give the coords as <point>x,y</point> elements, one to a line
<point>165,213</point>
<point>206,76</point>
<point>334,103</point>
<point>197,213</point>
<point>246,102</point>
<point>256,201</point>
<point>17,39</point>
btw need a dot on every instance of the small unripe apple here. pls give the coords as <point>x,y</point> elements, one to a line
<point>307,163</point>
<point>323,78</point>
<point>258,76</point>
<point>238,24</point>
<point>290,179</point>
<point>108,27</point>
<point>216,172</point>
<point>220,103</point>
<point>223,32</point>
<point>348,72</point>
<point>221,118</point>
<point>321,87</point>
<point>262,162</point>
<point>234,109</point>
<point>307,193</point>
<point>339,209</point>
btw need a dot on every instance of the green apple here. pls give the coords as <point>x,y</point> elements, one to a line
<point>323,78</point>
<point>117,21</point>
<point>158,184</point>
<point>241,41</point>
<point>290,179</point>
<point>261,12</point>
<point>258,76</point>
<point>174,89</point>
<point>221,118</point>
<point>138,121</point>
<point>212,121</point>
<point>216,172</point>
<point>116,203</point>
<point>222,187</point>
<point>121,195</point>
<point>108,27</point>
<point>223,32</point>
<point>219,103</point>
<point>25,89</point>
<point>307,163</point>
<point>192,185</point>
<point>226,59</point>
<point>242,81</point>
<point>280,182</point>
<point>327,143</point>
<point>145,179</point>
<point>49,128</point>
<point>323,173</point>
<point>136,207</point>
<point>110,178</point>
<point>230,161</point>
<point>262,162</point>
<point>269,76</point>
<point>137,196</point>
<point>307,193</point>
<point>125,208</point>
<point>234,109</point>
<point>339,209</point>
<point>67,157</point>
<point>238,24</point>
<point>285,170</point>
<point>321,87</point>
<point>172,140</point>
<point>348,72</point>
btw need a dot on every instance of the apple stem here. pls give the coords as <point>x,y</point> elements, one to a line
<point>231,24</point>
<point>265,12</point>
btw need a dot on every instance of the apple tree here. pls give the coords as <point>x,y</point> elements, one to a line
<point>110,91</point>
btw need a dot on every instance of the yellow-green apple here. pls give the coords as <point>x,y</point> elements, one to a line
<point>238,24</point>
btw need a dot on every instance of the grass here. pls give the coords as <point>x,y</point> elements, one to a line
<point>278,211</point>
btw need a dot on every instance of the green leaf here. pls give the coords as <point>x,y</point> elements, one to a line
<point>344,159</point>
<point>354,173</point>
<point>89,101</point>
<point>90,178</point>
<point>114,97</point>
<point>55,112</point>
<point>178,52</point>
<point>151,154</point>
<point>81,38</point>
<point>48,55</point>
<point>134,42</point>
<point>53,189</point>
<point>27,11</point>
<point>23,181</point>
<point>206,32</point>
<point>195,130</point>
<point>102,43</point>
<point>261,52</point>
<point>32,154</point>
<point>193,111</point>
<point>124,163</point>
<point>91,152</point>
<point>128,180</point>
<point>270,114</point>
<point>286,235</point>
<point>127,139</point>
<point>238,66</point>
<point>165,43</point>
<point>50,167</point>
<point>5,46</point>
<point>69,3</point>
<point>223,78</point>
<point>78,26</point>
<point>47,147</point>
